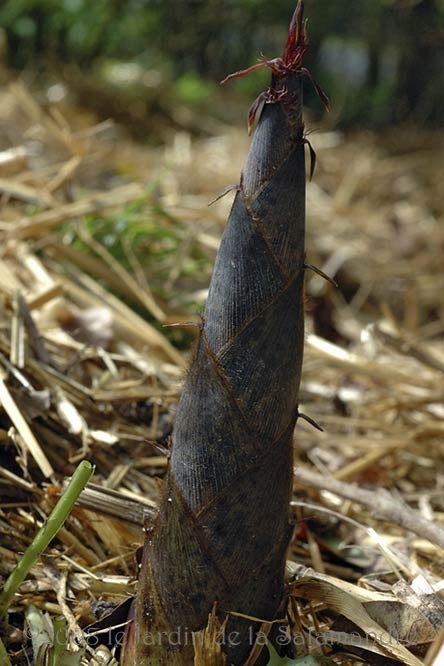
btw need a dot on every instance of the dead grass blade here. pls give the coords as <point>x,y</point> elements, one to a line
<point>353,603</point>
<point>23,429</point>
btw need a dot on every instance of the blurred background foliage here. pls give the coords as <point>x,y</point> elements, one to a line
<point>382,61</point>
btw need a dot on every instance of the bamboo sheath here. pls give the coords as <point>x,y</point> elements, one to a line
<point>223,526</point>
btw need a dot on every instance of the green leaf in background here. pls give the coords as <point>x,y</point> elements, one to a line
<point>192,89</point>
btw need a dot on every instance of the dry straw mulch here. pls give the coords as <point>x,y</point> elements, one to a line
<point>87,372</point>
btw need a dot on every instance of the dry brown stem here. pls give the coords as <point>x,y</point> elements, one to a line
<point>381,502</point>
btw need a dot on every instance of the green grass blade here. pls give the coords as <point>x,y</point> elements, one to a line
<point>4,659</point>
<point>45,535</point>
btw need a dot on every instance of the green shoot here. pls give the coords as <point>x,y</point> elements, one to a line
<point>45,535</point>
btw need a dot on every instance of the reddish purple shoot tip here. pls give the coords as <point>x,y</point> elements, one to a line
<point>291,61</point>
